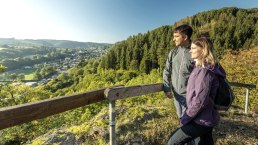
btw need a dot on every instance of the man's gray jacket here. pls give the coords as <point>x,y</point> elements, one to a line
<point>178,67</point>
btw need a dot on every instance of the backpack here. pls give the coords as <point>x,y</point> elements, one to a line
<point>224,96</point>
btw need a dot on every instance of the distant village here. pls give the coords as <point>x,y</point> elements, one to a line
<point>62,65</point>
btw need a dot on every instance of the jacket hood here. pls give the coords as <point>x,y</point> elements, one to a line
<point>218,70</point>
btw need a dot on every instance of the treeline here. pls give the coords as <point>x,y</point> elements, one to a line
<point>229,28</point>
<point>15,51</point>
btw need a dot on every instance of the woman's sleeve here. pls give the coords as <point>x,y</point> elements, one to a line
<point>200,100</point>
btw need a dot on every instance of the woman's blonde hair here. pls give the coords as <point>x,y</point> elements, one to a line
<point>208,57</point>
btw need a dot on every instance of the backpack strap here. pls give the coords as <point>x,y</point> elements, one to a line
<point>212,100</point>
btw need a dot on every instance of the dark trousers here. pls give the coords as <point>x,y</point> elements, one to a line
<point>192,131</point>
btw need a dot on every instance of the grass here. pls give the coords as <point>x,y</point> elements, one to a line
<point>237,128</point>
<point>29,76</point>
<point>152,125</point>
<point>28,73</point>
<point>2,48</point>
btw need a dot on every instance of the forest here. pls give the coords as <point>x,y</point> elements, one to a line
<point>229,28</point>
<point>140,59</point>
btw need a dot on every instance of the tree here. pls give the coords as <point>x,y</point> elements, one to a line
<point>21,76</point>
<point>14,76</point>
<point>145,65</point>
<point>2,68</point>
<point>37,75</point>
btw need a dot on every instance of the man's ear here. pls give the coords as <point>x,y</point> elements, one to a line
<point>185,37</point>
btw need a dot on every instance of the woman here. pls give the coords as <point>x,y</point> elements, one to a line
<point>200,116</point>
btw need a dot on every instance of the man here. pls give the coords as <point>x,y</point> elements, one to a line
<point>178,68</point>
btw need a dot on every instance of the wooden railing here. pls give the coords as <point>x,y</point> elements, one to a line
<point>248,87</point>
<point>19,114</point>
<point>15,115</point>
<point>116,93</point>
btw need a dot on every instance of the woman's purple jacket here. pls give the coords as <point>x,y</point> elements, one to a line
<point>202,86</point>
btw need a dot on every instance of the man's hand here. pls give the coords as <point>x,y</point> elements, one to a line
<point>169,95</point>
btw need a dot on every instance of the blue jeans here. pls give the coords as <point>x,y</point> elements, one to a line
<point>192,131</point>
<point>180,108</point>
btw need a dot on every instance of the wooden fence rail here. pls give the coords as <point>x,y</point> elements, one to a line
<point>19,114</point>
<point>235,84</point>
<point>116,93</point>
<point>15,115</point>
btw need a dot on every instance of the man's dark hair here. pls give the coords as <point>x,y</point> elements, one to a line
<point>184,29</point>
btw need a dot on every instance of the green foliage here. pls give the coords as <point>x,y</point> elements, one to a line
<point>2,68</point>
<point>138,60</point>
<point>242,67</point>
<point>19,93</point>
<point>44,72</point>
<point>20,74</point>
<point>147,117</point>
<point>229,28</point>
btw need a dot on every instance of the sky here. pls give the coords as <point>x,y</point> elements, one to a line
<point>102,21</point>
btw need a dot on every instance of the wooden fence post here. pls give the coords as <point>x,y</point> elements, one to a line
<point>112,117</point>
<point>246,100</point>
<point>248,87</point>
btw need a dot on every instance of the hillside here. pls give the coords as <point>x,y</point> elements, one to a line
<point>151,126</point>
<point>243,67</point>
<point>229,29</point>
<point>17,53</point>
<point>140,59</point>
<point>149,119</point>
<point>50,43</point>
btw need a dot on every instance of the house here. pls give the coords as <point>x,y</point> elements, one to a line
<point>31,84</point>
<point>27,67</point>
